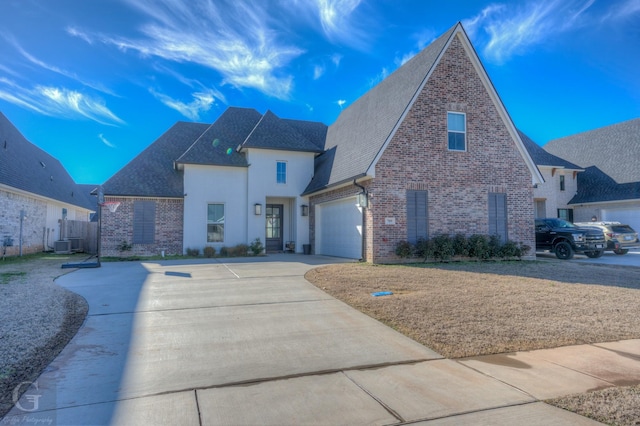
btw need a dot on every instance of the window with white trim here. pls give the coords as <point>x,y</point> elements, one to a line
<point>281,172</point>
<point>215,223</point>
<point>457,131</point>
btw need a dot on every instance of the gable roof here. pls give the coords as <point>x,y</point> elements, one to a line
<point>157,171</point>
<point>218,145</point>
<point>26,167</point>
<point>544,158</point>
<point>273,133</point>
<point>152,173</point>
<point>614,149</point>
<point>595,186</point>
<point>361,132</point>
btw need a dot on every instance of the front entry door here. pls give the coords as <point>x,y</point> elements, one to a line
<point>274,227</point>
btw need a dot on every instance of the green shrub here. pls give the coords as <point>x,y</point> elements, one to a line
<point>241,250</point>
<point>495,246</point>
<point>404,249</point>
<point>124,246</point>
<point>460,245</point>
<point>209,251</point>
<point>479,247</point>
<point>193,252</point>
<point>442,247</point>
<point>224,251</point>
<point>509,250</point>
<point>256,247</point>
<point>425,249</point>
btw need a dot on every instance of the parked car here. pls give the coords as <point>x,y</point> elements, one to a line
<point>564,239</point>
<point>620,237</point>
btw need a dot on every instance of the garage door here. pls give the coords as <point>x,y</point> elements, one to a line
<point>629,217</point>
<point>339,228</point>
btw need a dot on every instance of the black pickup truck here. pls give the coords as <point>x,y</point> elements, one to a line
<point>564,239</point>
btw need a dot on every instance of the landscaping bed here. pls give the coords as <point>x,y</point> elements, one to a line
<point>38,319</point>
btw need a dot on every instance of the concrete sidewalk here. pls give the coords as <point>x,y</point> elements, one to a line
<point>249,341</point>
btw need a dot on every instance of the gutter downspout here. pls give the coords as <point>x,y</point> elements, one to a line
<point>364,191</point>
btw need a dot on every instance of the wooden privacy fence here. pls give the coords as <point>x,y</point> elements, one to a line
<point>82,235</point>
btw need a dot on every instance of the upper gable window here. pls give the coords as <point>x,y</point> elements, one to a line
<point>562,183</point>
<point>281,172</point>
<point>457,131</point>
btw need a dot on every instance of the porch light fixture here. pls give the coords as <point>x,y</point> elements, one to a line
<point>305,210</point>
<point>257,209</point>
<point>363,200</point>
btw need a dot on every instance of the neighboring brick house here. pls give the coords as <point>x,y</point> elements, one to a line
<point>552,198</point>
<point>429,150</point>
<point>609,188</point>
<point>36,190</point>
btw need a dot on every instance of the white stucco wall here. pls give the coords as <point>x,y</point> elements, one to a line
<point>263,188</point>
<point>205,185</point>
<point>550,190</point>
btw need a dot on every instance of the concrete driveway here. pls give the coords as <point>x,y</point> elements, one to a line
<point>249,341</point>
<point>632,258</point>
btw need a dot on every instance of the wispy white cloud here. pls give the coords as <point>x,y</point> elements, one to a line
<point>341,102</point>
<point>192,83</point>
<point>622,10</point>
<point>507,30</point>
<point>378,78</point>
<point>202,102</point>
<point>52,68</point>
<point>318,71</point>
<point>235,38</point>
<point>58,102</point>
<point>105,141</point>
<point>335,18</point>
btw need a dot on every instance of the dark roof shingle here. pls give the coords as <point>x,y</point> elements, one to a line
<point>614,149</point>
<point>544,158</point>
<point>596,186</point>
<point>152,173</point>
<point>26,167</point>
<point>273,133</point>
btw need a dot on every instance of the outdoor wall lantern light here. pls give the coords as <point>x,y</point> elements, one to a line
<point>305,210</point>
<point>363,200</point>
<point>258,209</point>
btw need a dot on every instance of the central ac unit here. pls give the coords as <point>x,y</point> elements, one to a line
<point>62,247</point>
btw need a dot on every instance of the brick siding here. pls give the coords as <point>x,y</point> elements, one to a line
<point>458,183</point>
<point>118,228</point>
<point>32,226</point>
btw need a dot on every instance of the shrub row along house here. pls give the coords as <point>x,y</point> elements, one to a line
<point>431,149</point>
<point>36,195</point>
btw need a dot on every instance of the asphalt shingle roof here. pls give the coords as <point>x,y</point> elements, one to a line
<point>152,173</point>
<point>596,186</point>
<point>218,144</point>
<point>544,158</point>
<point>361,130</point>
<point>26,167</point>
<point>273,133</point>
<point>614,149</point>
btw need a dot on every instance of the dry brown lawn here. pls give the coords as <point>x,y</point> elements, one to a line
<point>470,309</point>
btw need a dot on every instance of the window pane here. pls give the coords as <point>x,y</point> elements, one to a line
<point>215,223</point>
<point>455,122</point>
<point>216,213</point>
<point>456,141</point>
<point>281,172</point>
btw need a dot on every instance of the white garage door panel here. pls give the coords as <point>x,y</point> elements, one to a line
<point>340,232</point>
<point>629,217</point>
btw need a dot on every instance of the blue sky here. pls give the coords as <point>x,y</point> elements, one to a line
<point>95,82</point>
